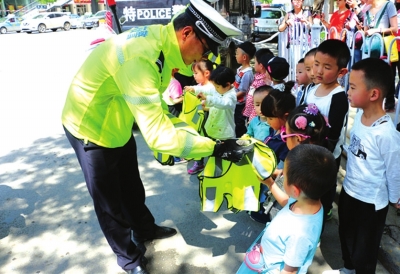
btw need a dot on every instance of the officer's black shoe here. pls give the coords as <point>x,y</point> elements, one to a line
<point>140,269</point>
<point>161,232</point>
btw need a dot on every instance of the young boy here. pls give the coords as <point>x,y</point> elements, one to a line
<point>290,240</point>
<point>330,63</point>
<point>244,77</point>
<point>302,81</point>
<point>372,180</point>
<point>308,65</point>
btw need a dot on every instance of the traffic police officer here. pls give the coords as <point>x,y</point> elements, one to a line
<point>121,81</point>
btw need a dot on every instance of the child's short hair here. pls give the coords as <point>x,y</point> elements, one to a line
<point>301,61</point>
<point>248,47</point>
<point>278,102</point>
<point>223,76</point>
<point>203,65</point>
<point>377,74</point>
<point>308,120</point>
<point>263,52</point>
<point>312,169</point>
<point>311,52</point>
<point>263,88</point>
<point>336,49</point>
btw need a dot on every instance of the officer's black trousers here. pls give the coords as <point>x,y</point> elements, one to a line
<point>113,180</point>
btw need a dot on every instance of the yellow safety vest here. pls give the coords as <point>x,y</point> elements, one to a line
<point>239,182</point>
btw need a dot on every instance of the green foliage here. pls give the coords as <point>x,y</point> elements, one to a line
<point>46,1</point>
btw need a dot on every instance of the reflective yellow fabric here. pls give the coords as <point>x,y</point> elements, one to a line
<point>122,80</point>
<point>238,183</point>
<point>192,112</point>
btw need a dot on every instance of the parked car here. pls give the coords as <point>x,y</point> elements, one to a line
<point>93,21</point>
<point>76,21</point>
<point>45,21</point>
<point>11,24</point>
<point>267,24</point>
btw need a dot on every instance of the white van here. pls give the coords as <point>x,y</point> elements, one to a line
<point>267,24</point>
<point>45,21</point>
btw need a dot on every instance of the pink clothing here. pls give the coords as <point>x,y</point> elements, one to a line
<point>249,111</point>
<point>338,20</point>
<point>174,89</point>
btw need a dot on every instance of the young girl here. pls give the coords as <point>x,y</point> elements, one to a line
<point>258,128</point>
<point>276,107</point>
<point>201,73</point>
<point>221,103</point>
<point>304,125</point>
<point>278,69</point>
<point>259,80</point>
<point>173,95</point>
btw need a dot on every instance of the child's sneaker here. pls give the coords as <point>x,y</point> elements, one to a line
<point>340,271</point>
<point>178,160</point>
<point>196,168</point>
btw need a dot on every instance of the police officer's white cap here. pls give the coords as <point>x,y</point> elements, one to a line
<point>214,27</point>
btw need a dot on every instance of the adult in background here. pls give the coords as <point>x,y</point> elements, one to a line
<point>122,81</point>
<point>356,23</point>
<point>298,14</point>
<point>338,19</point>
<point>386,12</point>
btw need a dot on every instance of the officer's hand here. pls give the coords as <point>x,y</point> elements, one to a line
<point>231,150</point>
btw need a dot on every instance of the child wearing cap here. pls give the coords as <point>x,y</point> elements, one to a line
<point>243,79</point>
<point>278,70</point>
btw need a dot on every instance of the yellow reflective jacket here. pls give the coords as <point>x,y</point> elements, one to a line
<point>122,80</point>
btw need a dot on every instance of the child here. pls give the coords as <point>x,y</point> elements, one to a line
<point>278,70</point>
<point>173,95</point>
<point>258,128</point>
<point>290,240</point>
<point>201,73</point>
<point>308,65</point>
<point>372,181</point>
<point>330,63</point>
<point>220,123</point>
<point>259,80</point>
<point>276,107</point>
<point>304,125</point>
<point>243,80</point>
<point>302,80</point>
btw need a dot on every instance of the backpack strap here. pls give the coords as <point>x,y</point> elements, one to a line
<point>380,16</point>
